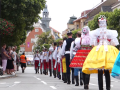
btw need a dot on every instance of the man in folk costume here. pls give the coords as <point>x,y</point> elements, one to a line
<point>54,59</point>
<point>45,57</point>
<point>66,49</point>
<point>64,71</point>
<point>82,46</point>
<point>50,59</point>
<point>74,47</point>
<point>102,57</point>
<point>59,61</point>
<point>41,60</point>
<point>36,61</point>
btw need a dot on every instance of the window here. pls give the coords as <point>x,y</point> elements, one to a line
<point>77,26</point>
<point>32,41</point>
<point>36,30</point>
<point>36,36</point>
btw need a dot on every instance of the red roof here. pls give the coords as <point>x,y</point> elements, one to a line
<point>55,30</point>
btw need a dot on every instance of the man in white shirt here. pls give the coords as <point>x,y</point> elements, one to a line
<point>66,50</point>
<point>74,47</point>
<point>41,60</point>
<point>59,62</point>
<point>50,59</point>
<point>45,57</point>
<point>36,61</point>
<point>54,59</point>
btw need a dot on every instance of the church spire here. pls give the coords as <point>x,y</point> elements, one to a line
<point>45,12</point>
<point>45,20</point>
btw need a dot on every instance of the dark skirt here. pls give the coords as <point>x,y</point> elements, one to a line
<point>10,64</point>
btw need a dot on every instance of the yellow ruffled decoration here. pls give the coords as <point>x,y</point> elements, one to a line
<point>64,65</point>
<point>100,59</point>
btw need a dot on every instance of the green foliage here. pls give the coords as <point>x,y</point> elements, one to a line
<point>45,39</point>
<point>93,24</point>
<point>18,48</point>
<point>114,21</point>
<point>57,41</point>
<point>74,33</point>
<point>22,13</point>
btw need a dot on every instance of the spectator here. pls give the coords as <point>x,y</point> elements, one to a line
<point>14,57</point>
<point>10,65</point>
<point>5,56</point>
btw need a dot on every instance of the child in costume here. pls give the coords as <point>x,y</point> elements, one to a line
<point>102,57</point>
<point>82,47</point>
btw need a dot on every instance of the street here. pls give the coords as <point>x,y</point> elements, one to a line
<point>31,81</point>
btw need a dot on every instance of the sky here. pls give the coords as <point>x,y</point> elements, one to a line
<point>60,11</point>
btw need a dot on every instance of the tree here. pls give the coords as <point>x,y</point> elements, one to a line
<point>57,41</point>
<point>45,39</point>
<point>74,33</point>
<point>114,21</point>
<point>22,13</point>
<point>93,24</point>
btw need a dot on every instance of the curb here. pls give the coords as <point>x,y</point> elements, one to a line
<point>6,77</point>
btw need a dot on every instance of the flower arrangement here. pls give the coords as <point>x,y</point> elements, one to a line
<point>6,27</point>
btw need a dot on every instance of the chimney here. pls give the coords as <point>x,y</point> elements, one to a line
<point>102,0</point>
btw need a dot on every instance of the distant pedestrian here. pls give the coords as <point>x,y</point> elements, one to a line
<point>23,62</point>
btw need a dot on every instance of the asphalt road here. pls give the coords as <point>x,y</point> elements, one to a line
<point>31,81</point>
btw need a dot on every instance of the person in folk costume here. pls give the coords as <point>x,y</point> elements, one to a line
<point>50,59</point>
<point>45,57</point>
<point>82,46</point>
<point>36,60</point>
<point>116,68</point>
<point>74,47</point>
<point>102,57</point>
<point>59,62</point>
<point>41,60</point>
<point>66,49</point>
<point>64,71</point>
<point>54,59</point>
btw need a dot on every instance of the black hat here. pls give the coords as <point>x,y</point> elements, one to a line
<point>69,32</point>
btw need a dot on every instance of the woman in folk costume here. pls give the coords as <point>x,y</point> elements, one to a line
<point>102,57</point>
<point>36,61</point>
<point>50,59</point>
<point>54,59</point>
<point>59,61</point>
<point>82,46</point>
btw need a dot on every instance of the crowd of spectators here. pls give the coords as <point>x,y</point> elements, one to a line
<point>9,59</point>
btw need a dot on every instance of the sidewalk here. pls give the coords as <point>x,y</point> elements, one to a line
<point>7,76</point>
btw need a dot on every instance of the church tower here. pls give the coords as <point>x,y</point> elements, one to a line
<point>46,20</point>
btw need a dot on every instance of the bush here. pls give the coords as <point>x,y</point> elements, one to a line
<point>6,27</point>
